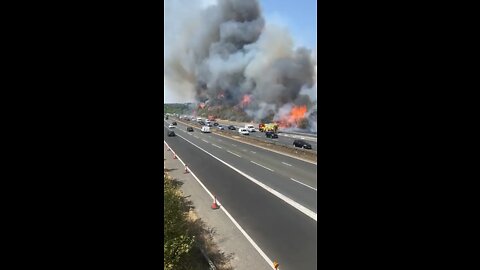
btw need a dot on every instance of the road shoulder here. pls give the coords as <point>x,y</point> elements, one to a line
<point>231,243</point>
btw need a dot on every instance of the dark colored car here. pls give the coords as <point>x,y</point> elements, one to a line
<point>215,124</point>
<point>272,135</point>
<point>202,123</point>
<point>190,129</point>
<point>231,128</point>
<point>302,144</point>
<point>174,123</point>
<point>171,133</point>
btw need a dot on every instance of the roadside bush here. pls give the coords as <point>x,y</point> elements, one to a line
<point>177,241</point>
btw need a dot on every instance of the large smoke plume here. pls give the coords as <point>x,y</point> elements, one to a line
<point>227,54</point>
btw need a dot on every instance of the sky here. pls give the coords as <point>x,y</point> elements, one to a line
<point>299,16</point>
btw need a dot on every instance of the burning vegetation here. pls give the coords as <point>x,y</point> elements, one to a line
<point>237,66</point>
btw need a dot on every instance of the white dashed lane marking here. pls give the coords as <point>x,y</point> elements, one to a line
<point>204,140</point>
<point>234,154</point>
<point>216,146</point>
<point>304,184</point>
<point>286,164</point>
<point>261,166</point>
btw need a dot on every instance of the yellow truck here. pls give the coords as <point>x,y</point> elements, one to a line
<point>268,127</point>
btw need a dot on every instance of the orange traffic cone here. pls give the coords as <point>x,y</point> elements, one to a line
<point>186,169</point>
<point>214,204</point>
<point>275,264</point>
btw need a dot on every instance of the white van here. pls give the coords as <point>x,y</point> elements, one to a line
<point>243,131</point>
<point>205,129</point>
<point>250,128</point>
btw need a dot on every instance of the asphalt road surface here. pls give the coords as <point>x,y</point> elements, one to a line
<point>272,196</point>
<point>283,138</point>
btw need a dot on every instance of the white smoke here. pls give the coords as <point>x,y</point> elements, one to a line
<point>226,48</point>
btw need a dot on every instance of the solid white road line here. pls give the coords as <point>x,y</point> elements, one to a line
<point>234,154</point>
<point>216,146</point>
<point>261,166</point>
<point>304,184</point>
<point>257,248</point>
<point>286,199</point>
<point>287,164</point>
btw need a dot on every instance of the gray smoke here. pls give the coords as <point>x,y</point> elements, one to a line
<point>225,51</point>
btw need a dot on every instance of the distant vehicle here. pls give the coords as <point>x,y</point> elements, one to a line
<point>199,119</point>
<point>302,144</point>
<point>171,126</point>
<point>166,117</point>
<point>207,121</point>
<point>215,124</point>
<point>270,134</point>
<point>250,128</point>
<point>220,127</point>
<point>231,127</point>
<point>171,133</point>
<point>189,129</point>
<point>174,123</point>
<point>201,123</point>
<point>205,129</point>
<point>243,131</point>
<point>209,125</point>
<point>268,127</point>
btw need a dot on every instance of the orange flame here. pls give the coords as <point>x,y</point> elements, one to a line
<point>296,114</point>
<point>246,100</point>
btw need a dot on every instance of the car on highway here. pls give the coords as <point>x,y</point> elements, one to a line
<point>171,126</point>
<point>202,123</point>
<point>220,127</point>
<point>205,129</point>
<point>303,144</point>
<point>174,123</point>
<point>243,131</point>
<point>250,128</point>
<point>216,124</point>
<point>231,127</point>
<point>171,133</point>
<point>271,134</point>
<point>189,129</point>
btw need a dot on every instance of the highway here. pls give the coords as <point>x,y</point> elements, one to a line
<point>272,196</point>
<point>283,138</point>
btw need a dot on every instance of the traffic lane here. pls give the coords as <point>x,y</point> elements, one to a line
<point>301,194</point>
<point>286,141</point>
<point>281,231</point>
<point>299,163</point>
<point>299,170</point>
<point>292,171</point>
